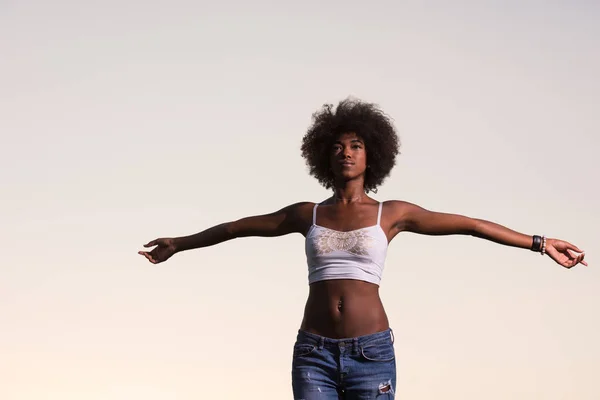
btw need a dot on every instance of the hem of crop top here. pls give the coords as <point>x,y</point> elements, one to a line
<point>337,278</point>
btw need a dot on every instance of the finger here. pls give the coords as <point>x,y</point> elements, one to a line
<point>151,243</point>
<point>584,263</point>
<point>573,262</point>
<point>573,247</point>
<point>572,253</point>
<point>148,256</point>
<point>578,259</point>
<point>568,264</point>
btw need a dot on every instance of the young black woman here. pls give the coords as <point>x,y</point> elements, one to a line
<point>344,348</point>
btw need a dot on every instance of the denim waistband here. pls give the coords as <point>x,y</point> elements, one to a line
<point>322,341</point>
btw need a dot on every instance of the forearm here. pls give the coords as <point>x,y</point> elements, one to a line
<point>278,223</point>
<point>419,220</point>
<point>209,237</point>
<point>413,218</point>
<point>500,234</point>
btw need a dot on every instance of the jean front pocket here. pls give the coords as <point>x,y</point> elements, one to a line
<point>378,352</point>
<point>303,349</point>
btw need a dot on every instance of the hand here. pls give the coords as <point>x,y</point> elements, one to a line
<point>564,253</point>
<point>164,249</point>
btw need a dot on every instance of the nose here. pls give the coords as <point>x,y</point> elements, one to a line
<point>346,152</point>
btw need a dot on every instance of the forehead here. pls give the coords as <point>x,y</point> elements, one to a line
<point>348,137</point>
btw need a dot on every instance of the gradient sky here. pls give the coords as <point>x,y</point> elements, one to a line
<point>123,121</point>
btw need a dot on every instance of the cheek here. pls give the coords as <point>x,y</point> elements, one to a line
<point>333,164</point>
<point>363,156</point>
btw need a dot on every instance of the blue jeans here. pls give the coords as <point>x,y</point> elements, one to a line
<point>361,368</point>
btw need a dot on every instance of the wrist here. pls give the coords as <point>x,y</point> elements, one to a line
<point>178,244</point>
<point>544,243</point>
<point>538,244</point>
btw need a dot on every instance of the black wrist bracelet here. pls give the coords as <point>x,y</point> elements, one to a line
<point>537,243</point>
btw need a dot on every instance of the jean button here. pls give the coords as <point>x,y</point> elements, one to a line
<point>342,344</point>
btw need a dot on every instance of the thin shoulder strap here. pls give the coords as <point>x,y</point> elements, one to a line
<point>379,213</point>
<point>315,214</point>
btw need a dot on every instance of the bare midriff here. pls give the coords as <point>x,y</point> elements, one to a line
<point>344,308</point>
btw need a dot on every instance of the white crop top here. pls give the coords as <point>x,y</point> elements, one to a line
<point>357,254</point>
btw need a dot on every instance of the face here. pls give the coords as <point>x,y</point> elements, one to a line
<point>348,157</point>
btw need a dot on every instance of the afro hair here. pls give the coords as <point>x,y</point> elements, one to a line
<point>369,123</point>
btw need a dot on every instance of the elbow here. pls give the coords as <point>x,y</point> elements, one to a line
<point>230,230</point>
<point>476,227</point>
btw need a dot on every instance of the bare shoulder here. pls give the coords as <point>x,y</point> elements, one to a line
<point>301,214</point>
<point>396,211</point>
<point>301,210</point>
<point>395,207</point>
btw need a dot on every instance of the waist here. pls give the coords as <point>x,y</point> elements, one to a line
<point>381,337</point>
<point>344,308</point>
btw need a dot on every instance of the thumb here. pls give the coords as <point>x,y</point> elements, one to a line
<point>151,243</point>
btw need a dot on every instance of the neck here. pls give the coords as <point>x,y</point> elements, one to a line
<point>350,192</point>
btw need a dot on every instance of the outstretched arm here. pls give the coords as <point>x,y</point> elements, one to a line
<point>412,218</point>
<point>287,220</point>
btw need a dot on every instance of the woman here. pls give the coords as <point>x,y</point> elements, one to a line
<point>344,347</point>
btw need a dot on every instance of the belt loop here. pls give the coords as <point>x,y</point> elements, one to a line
<point>392,335</point>
<point>321,343</point>
<point>355,345</point>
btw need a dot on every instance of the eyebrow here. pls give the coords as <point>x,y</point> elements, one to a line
<point>351,141</point>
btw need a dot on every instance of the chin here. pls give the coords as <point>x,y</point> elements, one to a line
<point>349,176</point>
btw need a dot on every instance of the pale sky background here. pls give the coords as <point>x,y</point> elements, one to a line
<point>123,121</point>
